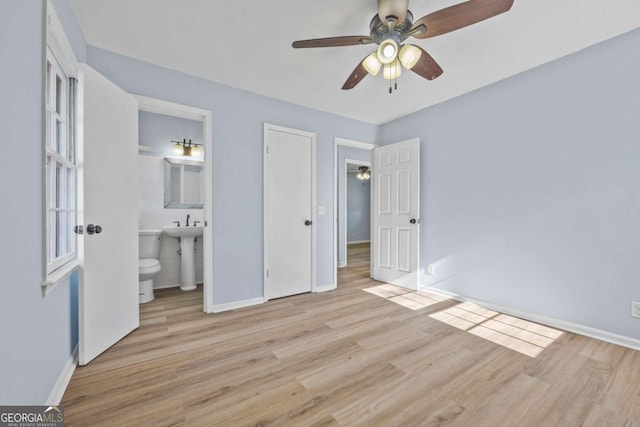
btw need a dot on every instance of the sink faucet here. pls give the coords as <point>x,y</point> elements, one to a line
<point>188,216</point>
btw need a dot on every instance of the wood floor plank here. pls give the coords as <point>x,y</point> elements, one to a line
<point>365,354</point>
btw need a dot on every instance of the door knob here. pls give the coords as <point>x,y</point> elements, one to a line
<point>414,221</point>
<point>78,229</point>
<point>94,229</point>
<point>307,223</point>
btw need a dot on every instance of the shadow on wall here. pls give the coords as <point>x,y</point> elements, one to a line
<point>73,310</point>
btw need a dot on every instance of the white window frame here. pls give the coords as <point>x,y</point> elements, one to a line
<point>60,195</point>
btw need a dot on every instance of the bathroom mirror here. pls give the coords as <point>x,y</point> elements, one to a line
<point>183,186</point>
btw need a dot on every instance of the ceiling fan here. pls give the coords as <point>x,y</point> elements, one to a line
<point>393,25</point>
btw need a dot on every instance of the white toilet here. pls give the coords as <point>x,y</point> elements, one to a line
<point>148,264</point>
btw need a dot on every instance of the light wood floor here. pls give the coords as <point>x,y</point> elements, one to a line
<point>380,357</point>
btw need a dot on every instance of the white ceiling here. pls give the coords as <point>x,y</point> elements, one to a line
<point>247,44</point>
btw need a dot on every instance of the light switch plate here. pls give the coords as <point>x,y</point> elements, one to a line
<point>322,210</point>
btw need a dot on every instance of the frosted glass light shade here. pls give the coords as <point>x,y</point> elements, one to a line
<point>387,51</point>
<point>409,55</point>
<point>372,64</point>
<point>392,71</point>
<point>177,148</point>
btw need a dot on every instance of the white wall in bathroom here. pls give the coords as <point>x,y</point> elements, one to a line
<point>153,215</point>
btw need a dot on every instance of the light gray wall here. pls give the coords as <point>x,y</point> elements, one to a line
<point>36,331</point>
<point>530,188</point>
<point>353,154</point>
<point>71,28</point>
<point>238,119</point>
<point>157,131</point>
<point>358,209</point>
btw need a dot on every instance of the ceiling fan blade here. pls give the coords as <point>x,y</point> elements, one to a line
<point>356,76</point>
<point>459,16</point>
<point>426,66</point>
<point>333,41</point>
<point>394,9</point>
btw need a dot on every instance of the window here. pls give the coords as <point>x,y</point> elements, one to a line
<point>60,168</point>
<point>61,173</point>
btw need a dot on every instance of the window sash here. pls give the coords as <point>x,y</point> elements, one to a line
<point>61,170</point>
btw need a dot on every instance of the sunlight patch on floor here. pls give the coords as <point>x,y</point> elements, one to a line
<point>413,300</point>
<point>511,332</point>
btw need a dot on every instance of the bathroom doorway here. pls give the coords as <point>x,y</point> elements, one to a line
<point>194,124</point>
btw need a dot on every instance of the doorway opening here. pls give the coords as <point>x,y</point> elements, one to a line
<point>356,153</point>
<point>355,230</point>
<point>195,121</point>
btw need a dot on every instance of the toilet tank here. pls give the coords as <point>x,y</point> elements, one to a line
<point>149,244</point>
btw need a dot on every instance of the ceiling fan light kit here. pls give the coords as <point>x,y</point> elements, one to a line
<point>372,64</point>
<point>409,55</point>
<point>393,24</point>
<point>387,51</point>
<point>364,173</point>
<point>392,71</point>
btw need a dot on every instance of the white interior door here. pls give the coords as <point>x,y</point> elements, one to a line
<point>108,291</point>
<point>289,204</point>
<point>396,214</point>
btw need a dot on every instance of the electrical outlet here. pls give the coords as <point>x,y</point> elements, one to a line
<point>635,309</point>
<point>431,269</point>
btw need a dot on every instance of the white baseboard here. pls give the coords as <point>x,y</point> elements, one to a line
<point>63,380</point>
<point>342,264</point>
<point>325,288</point>
<point>227,306</point>
<point>576,328</point>
<point>355,242</point>
<point>173,286</point>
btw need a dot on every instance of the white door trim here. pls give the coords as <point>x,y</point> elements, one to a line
<point>337,141</point>
<point>344,191</point>
<point>314,218</point>
<point>168,108</point>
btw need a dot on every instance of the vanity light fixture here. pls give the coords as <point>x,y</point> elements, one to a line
<point>364,173</point>
<point>186,148</point>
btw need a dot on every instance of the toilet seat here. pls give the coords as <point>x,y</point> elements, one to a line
<point>148,265</point>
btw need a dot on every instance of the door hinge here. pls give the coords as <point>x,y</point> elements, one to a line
<point>267,273</point>
<point>267,149</point>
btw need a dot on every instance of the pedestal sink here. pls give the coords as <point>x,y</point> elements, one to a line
<point>187,236</point>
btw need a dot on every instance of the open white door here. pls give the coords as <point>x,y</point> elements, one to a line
<point>396,214</point>
<point>289,205</point>
<point>108,288</point>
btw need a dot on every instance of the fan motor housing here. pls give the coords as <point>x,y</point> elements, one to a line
<point>380,30</point>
